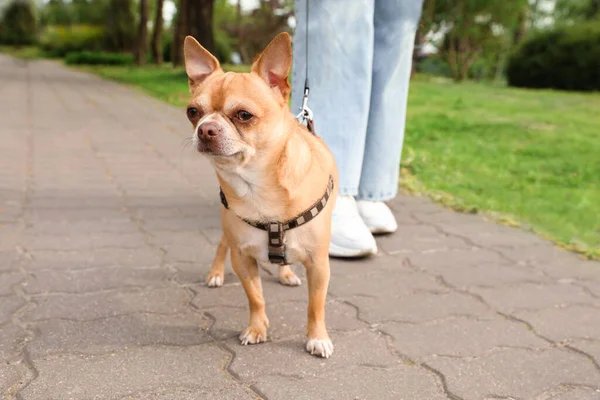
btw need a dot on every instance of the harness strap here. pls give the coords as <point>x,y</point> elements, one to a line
<point>276,246</point>
<point>276,230</point>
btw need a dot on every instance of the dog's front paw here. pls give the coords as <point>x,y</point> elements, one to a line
<point>214,280</point>
<point>320,347</point>
<point>287,276</point>
<point>253,335</point>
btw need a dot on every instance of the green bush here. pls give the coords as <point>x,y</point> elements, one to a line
<point>60,40</point>
<point>565,58</point>
<point>98,58</point>
<point>18,25</point>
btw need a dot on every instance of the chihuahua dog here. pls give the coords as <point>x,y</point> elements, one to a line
<point>278,181</point>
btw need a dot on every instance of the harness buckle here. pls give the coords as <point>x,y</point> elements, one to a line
<point>278,259</point>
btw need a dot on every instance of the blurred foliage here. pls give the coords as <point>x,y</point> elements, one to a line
<point>224,14</point>
<point>24,52</point>
<point>60,40</point>
<point>469,28</point>
<point>474,39</point>
<point>575,11</point>
<point>566,58</point>
<point>167,44</point>
<point>74,12</point>
<point>120,25</point>
<point>78,24</point>
<point>98,58</point>
<point>18,25</point>
<point>251,31</point>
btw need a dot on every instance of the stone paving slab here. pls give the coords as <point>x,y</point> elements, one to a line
<point>108,228</point>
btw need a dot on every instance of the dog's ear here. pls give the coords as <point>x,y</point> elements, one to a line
<point>199,63</point>
<point>274,64</point>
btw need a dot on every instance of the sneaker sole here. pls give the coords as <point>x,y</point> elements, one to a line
<point>382,231</point>
<point>342,252</point>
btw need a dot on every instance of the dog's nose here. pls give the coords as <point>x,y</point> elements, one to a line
<point>208,130</point>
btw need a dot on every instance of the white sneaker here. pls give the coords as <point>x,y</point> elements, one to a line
<point>350,237</point>
<point>377,216</point>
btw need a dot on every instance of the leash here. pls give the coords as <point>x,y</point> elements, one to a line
<point>306,114</point>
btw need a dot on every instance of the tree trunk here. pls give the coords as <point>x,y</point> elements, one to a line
<point>195,19</point>
<point>521,29</point>
<point>157,53</point>
<point>142,41</point>
<point>452,57</point>
<point>181,29</point>
<point>418,45</point>
<point>201,23</point>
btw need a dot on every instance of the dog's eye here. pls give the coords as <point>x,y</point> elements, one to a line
<point>243,115</point>
<point>192,112</point>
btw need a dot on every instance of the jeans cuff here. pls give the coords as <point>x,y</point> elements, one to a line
<point>372,196</point>
<point>343,191</point>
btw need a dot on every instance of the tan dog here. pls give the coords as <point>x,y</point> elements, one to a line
<point>274,174</point>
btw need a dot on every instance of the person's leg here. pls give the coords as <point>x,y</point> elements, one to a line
<point>395,24</point>
<point>340,57</point>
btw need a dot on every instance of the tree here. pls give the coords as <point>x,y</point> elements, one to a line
<point>19,26</point>
<point>194,17</point>
<point>56,12</point>
<point>201,22</point>
<point>519,31</point>
<point>142,38</point>
<point>253,31</point>
<point>469,27</point>
<point>573,11</point>
<point>120,25</point>
<point>74,12</point>
<point>156,46</point>
<point>89,12</point>
<point>181,28</point>
<point>226,14</point>
<point>428,19</point>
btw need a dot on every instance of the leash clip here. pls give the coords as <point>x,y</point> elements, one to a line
<point>306,113</point>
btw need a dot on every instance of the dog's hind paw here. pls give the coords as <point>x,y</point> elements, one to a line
<point>290,280</point>
<point>253,336</point>
<point>214,281</point>
<point>320,347</point>
<point>287,276</point>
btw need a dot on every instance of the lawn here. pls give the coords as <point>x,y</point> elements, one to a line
<point>24,52</point>
<point>522,156</point>
<point>165,83</point>
<point>527,156</point>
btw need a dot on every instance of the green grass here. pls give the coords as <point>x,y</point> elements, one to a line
<point>23,52</point>
<point>526,157</point>
<point>165,82</point>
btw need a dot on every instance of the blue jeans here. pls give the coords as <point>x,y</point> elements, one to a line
<point>359,62</point>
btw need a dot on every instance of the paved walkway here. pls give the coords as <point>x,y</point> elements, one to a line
<point>107,229</point>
